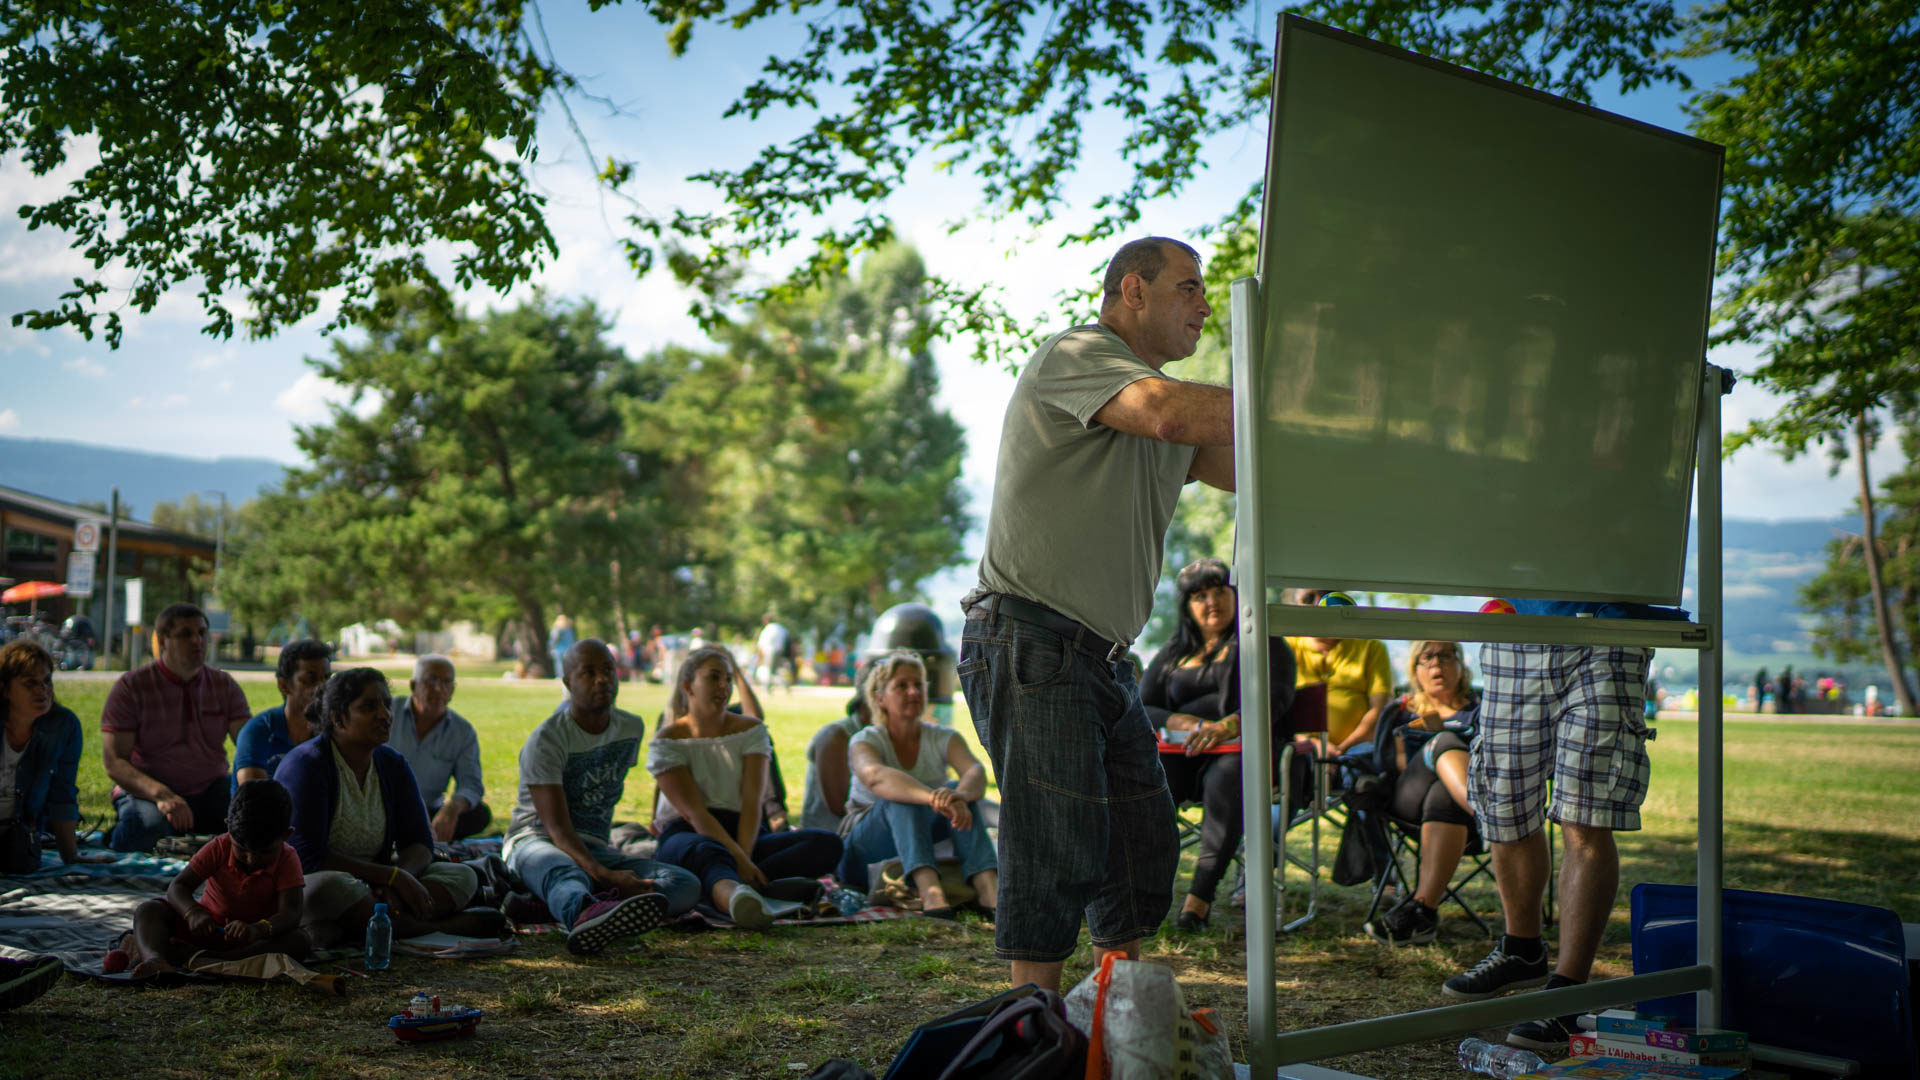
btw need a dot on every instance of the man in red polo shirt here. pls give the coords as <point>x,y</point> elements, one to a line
<point>165,728</point>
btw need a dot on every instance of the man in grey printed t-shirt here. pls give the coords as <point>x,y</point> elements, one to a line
<point>1096,446</point>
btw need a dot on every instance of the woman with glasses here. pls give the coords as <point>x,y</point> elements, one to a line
<point>1427,731</point>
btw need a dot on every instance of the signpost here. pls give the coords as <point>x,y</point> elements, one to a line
<point>86,535</point>
<point>80,573</point>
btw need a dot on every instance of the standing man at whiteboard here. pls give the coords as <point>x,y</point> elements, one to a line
<point>1096,446</point>
<point>1574,715</point>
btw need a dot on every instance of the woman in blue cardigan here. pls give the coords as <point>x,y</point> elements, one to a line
<point>360,827</point>
<point>39,760</point>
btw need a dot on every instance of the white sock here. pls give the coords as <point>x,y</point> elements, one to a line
<point>748,908</point>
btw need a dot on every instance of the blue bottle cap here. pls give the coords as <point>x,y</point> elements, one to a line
<point>379,909</point>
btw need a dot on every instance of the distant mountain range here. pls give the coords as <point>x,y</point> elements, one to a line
<point>1764,562</point>
<point>80,472</point>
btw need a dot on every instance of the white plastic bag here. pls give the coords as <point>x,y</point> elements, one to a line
<point>1138,1026</point>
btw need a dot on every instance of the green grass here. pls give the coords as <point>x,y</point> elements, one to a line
<point>1818,808</point>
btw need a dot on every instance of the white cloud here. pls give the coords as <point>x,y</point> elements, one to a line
<point>225,386</point>
<point>9,420</point>
<point>207,361</point>
<point>307,399</point>
<point>84,366</point>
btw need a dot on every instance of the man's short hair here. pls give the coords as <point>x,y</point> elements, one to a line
<point>1146,256</point>
<point>428,660</point>
<point>294,652</point>
<point>174,613</point>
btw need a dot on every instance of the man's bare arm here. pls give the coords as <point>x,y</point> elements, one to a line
<point>1213,466</point>
<point>1191,414</point>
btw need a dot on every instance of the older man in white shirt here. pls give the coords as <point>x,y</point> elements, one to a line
<point>440,745</point>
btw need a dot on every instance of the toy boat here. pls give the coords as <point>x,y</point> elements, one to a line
<point>425,1019</point>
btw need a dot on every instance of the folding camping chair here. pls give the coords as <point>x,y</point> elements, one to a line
<point>1398,839</point>
<point>1307,718</point>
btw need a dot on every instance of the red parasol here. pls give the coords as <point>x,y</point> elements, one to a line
<point>32,592</point>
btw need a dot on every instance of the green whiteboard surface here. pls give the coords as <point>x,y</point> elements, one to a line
<point>1481,332</point>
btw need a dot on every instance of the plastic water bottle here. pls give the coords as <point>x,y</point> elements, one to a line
<point>847,900</point>
<point>379,939</point>
<point>1504,1062</point>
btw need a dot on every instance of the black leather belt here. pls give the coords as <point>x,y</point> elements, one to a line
<point>1048,619</point>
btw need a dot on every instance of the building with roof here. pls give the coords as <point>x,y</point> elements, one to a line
<point>37,535</point>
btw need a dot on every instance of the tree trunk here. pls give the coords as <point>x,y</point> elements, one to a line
<point>1882,613</point>
<point>533,640</point>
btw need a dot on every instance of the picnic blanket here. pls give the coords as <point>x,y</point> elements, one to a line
<point>77,912</point>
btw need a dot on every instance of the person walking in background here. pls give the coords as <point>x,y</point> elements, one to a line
<point>560,639</point>
<point>774,651</point>
<point>440,746</point>
<point>1096,446</point>
<point>165,726</point>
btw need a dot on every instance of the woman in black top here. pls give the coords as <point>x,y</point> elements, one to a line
<point>1192,690</point>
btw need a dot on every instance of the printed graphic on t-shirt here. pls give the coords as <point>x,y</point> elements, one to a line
<point>593,782</point>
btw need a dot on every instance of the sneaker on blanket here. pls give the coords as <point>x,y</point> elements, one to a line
<point>603,921</point>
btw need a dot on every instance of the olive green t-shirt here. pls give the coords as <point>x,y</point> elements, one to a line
<point>1080,511</point>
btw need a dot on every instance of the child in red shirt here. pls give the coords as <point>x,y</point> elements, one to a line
<point>253,898</point>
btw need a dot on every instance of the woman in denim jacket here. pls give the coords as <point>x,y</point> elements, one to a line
<point>40,754</point>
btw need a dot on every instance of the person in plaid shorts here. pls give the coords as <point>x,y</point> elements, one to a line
<point>1573,716</point>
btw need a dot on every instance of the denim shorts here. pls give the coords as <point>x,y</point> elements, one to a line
<point>1567,713</point>
<point>1086,822</point>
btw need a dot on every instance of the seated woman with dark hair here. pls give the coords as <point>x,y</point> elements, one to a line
<point>1427,733</point>
<point>360,826</point>
<point>1192,692</point>
<point>39,760</point>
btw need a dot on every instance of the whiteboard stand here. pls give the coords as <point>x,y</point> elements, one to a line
<point>1268,1048</point>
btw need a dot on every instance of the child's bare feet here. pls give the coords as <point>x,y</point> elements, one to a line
<point>148,968</point>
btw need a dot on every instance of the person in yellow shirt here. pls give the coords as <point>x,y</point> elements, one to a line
<point>1359,679</point>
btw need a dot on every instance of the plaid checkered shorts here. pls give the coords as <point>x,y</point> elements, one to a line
<point>1572,714</point>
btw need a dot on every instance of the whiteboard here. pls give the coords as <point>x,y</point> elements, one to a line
<point>1481,332</point>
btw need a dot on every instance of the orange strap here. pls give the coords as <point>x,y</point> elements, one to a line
<point>1096,1043</point>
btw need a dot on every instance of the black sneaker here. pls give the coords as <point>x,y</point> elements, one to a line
<point>1549,1034</point>
<point>1499,972</point>
<point>1409,923</point>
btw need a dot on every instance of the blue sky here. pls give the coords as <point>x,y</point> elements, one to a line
<point>169,387</point>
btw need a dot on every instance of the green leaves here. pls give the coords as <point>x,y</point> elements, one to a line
<point>276,152</point>
<point>498,467</point>
<point>1820,236</point>
<point>1006,91</point>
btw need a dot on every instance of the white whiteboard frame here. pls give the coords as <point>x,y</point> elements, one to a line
<point>1267,1047</point>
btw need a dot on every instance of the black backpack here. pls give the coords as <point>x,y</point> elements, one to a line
<point>1021,1034</point>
